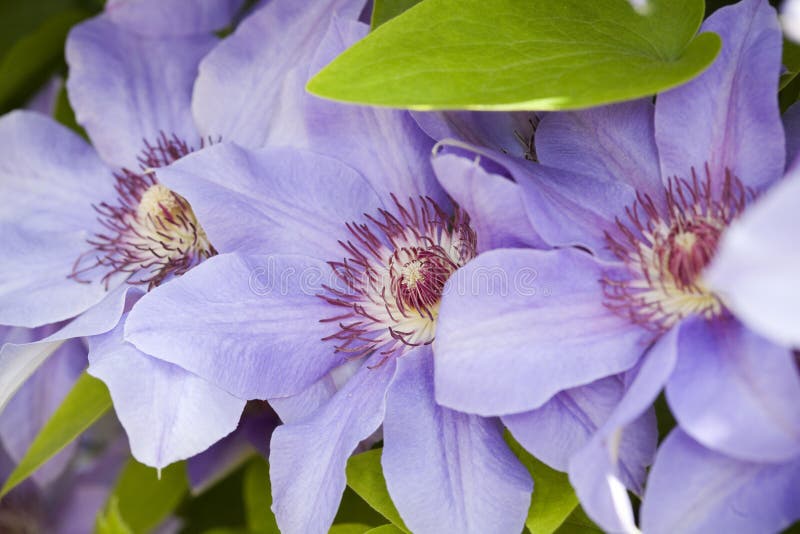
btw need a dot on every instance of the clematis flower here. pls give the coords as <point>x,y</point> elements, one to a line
<point>97,230</point>
<point>637,198</point>
<point>323,265</point>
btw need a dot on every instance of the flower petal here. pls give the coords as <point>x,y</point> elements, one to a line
<point>736,392</point>
<point>127,88</point>
<point>755,269</point>
<point>693,489</point>
<point>595,471</point>
<point>49,179</point>
<point>465,478</point>
<point>610,143</point>
<point>275,200</point>
<point>241,85</point>
<point>517,326</point>
<point>494,203</point>
<point>168,413</point>
<point>248,325</point>
<point>728,117</point>
<point>564,425</point>
<point>791,127</point>
<point>172,17</point>
<point>307,458</point>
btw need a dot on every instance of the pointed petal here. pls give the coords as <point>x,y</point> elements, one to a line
<point>736,392</point>
<point>273,200</point>
<point>517,326</point>
<point>127,88</point>
<point>465,478</point>
<point>693,489</point>
<point>240,88</point>
<point>50,178</point>
<point>610,143</point>
<point>302,405</point>
<point>564,425</point>
<point>248,325</point>
<point>494,203</point>
<point>172,17</point>
<point>755,269</point>
<point>728,117</point>
<point>307,459</point>
<point>168,413</point>
<point>595,471</point>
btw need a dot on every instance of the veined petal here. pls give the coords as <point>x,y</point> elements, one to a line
<point>518,326</point>
<point>248,325</point>
<point>728,117</point>
<point>307,458</point>
<point>172,17</point>
<point>464,476</point>
<point>692,489</point>
<point>168,413</point>
<point>127,88</point>
<point>736,392</point>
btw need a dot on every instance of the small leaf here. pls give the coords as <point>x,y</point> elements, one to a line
<point>578,523</point>
<point>385,529</point>
<point>258,498</point>
<point>553,498</point>
<point>385,10</point>
<point>521,54</point>
<point>350,528</point>
<point>83,405</point>
<point>144,499</point>
<point>365,477</point>
<point>109,521</point>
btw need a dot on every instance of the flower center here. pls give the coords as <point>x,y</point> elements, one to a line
<point>151,231</point>
<point>667,252</point>
<point>394,275</point>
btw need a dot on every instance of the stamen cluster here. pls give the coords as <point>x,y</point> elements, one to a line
<point>393,277</point>
<point>667,253</point>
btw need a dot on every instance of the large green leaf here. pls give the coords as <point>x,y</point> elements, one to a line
<point>553,497</point>
<point>521,54</point>
<point>146,497</point>
<point>83,405</point>
<point>365,477</point>
<point>385,529</point>
<point>385,10</point>
<point>258,498</point>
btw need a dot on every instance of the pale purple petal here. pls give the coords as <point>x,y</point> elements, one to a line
<point>19,360</point>
<point>386,146</point>
<point>728,117</point>
<point>494,203</point>
<point>610,143</point>
<point>307,458</point>
<point>36,401</point>
<point>127,88</point>
<point>736,392</point>
<point>241,87</point>
<point>248,325</point>
<point>49,178</point>
<point>168,413</point>
<point>172,17</point>
<point>509,133</point>
<point>692,489</point>
<point>448,471</point>
<point>518,326</point>
<point>595,472</point>
<point>755,269</point>
<point>302,405</point>
<point>275,200</point>
<point>564,425</point>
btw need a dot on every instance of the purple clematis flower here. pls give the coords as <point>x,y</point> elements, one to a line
<point>328,267</point>
<point>645,193</point>
<point>132,91</point>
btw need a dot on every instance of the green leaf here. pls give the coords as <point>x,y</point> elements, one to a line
<point>34,58</point>
<point>521,54</point>
<point>791,59</point>
<point>145,498</point>
<point>349,528</point>
<point>385,10</point>
<point>258,498</point>
<point>109,521</point>
<point>83,405</point>
<point>578,523</point>
<point>221,506</point>
<point>385,529</point>
<point>553,498</point>
<point>365,477</point>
